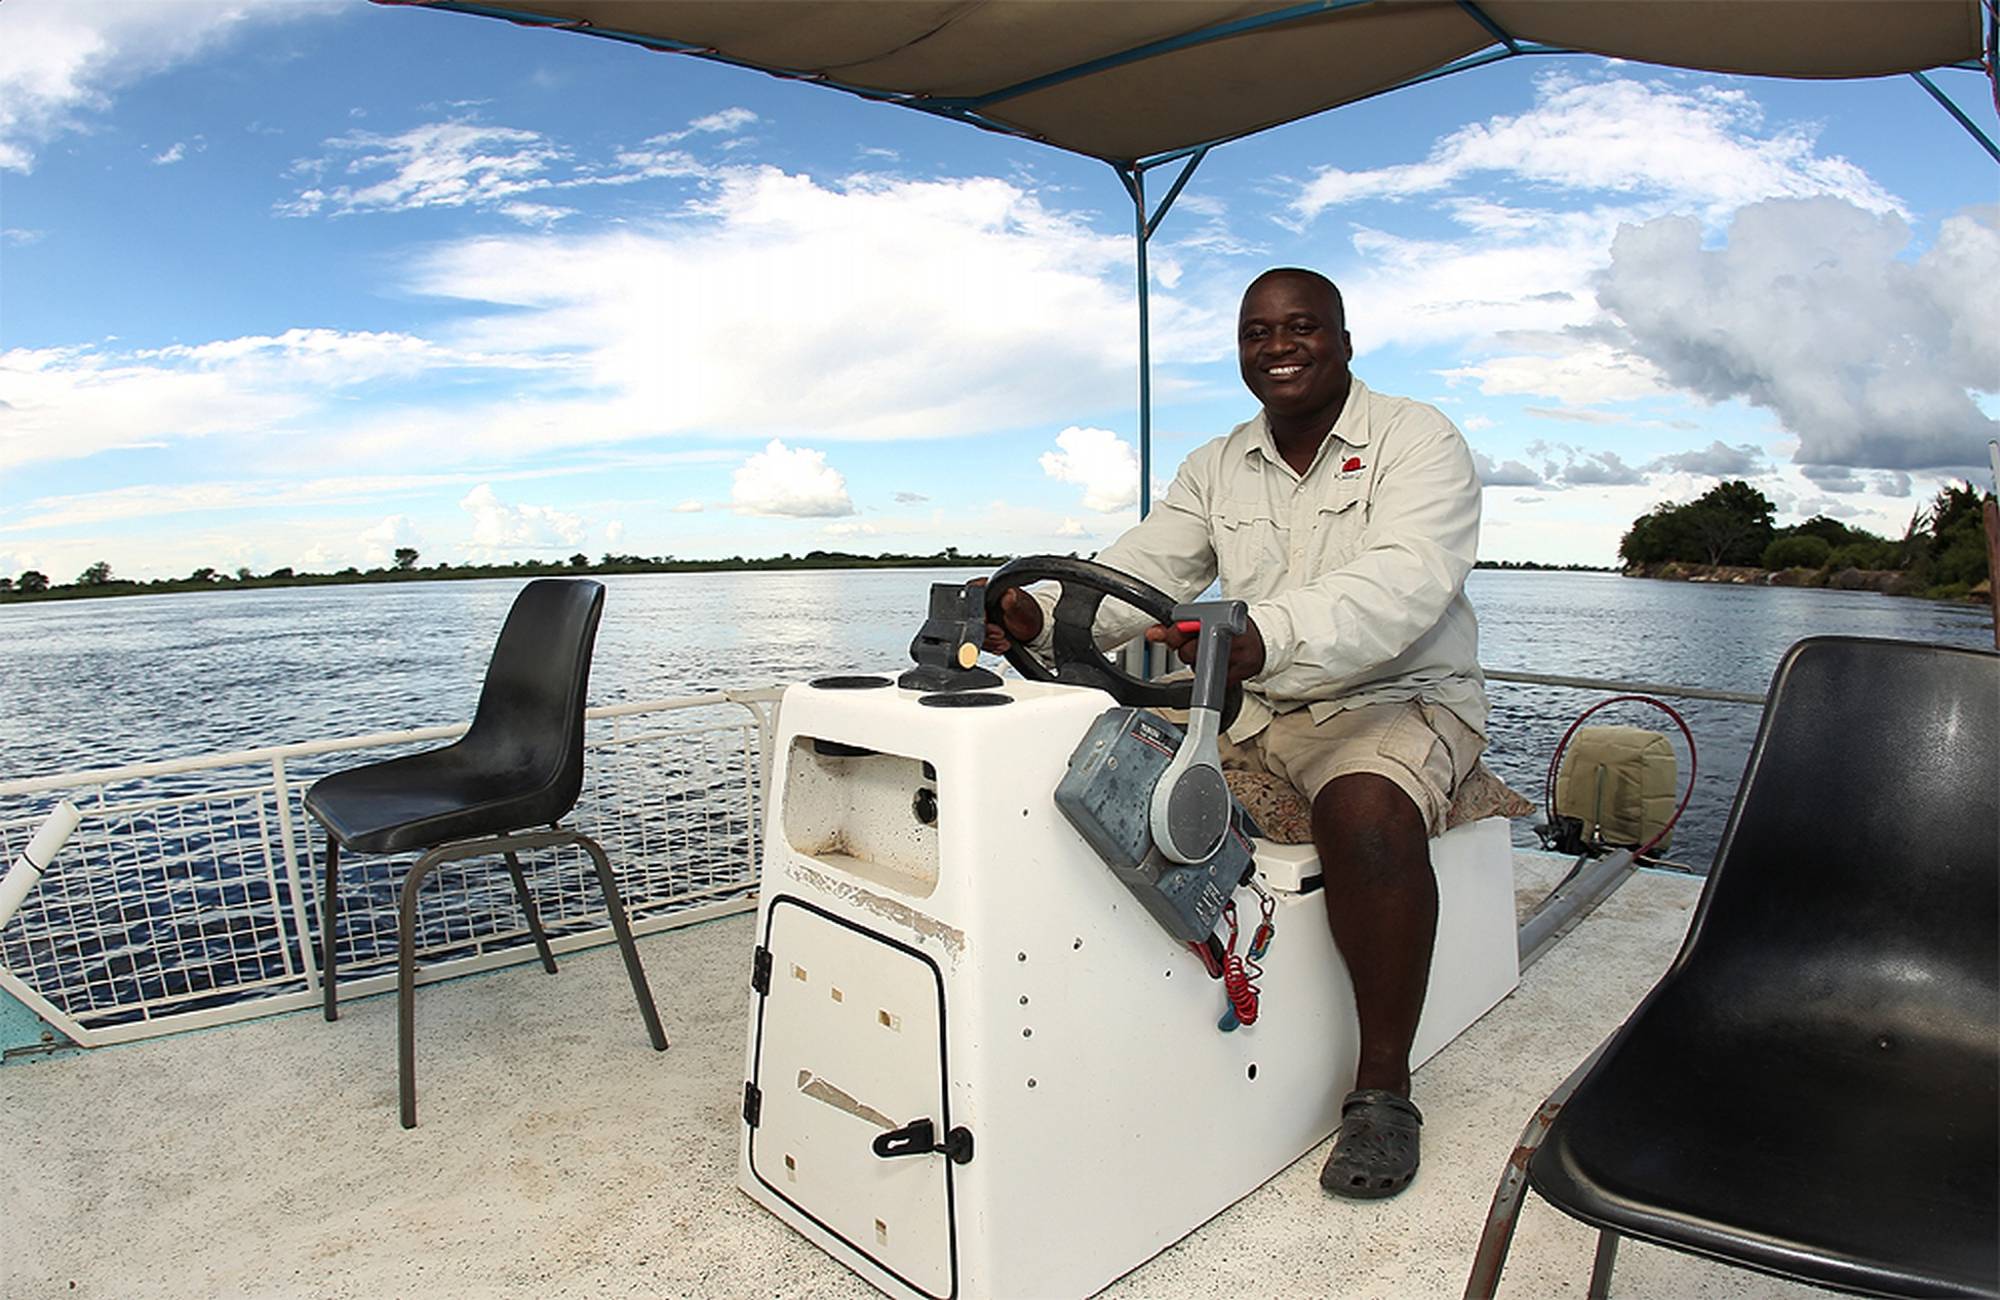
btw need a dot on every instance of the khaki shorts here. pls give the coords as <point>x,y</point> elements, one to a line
<point>1424,749</point>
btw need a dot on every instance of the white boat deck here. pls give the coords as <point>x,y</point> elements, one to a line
<point>557,1155</point>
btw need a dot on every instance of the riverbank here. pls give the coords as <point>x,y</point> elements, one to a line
<point>575,567</point>
<point>1890,582</point>
<point>571,568</point>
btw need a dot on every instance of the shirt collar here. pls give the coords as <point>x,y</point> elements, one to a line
<point>1351,428</point>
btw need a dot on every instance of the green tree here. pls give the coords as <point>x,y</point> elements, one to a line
<point>1831,531</point>
<point>95,576</point>
<point>1797,551</point>
<point>579,561</point>
<point>1732,522</point>
<point>33,580</point>
<point>1954,560</point>
<point>203,574</point>
<point>1868,553</point>
<point>1659,535</point>
<point>6,584</point>
<point>406,558</point>
<point>1728,524</point>
<point>1847,548</point>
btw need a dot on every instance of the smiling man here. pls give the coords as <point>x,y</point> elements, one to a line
<point>1348,521</point>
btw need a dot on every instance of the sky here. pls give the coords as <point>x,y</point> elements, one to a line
<point>291,283</point>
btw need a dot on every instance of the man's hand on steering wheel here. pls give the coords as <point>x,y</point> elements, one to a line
<point>1246,652</point>
<point>1020,620</point>
<point>1074,657</point>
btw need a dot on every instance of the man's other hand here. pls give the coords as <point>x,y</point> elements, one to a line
<point>1246,652</point>
<point>1020,619</point>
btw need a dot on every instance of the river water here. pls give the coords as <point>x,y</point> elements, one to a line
<point>95,683</point>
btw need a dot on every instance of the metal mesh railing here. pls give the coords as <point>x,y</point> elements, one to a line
<point>194,886</point>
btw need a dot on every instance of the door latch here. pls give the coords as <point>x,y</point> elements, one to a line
<point>919,1138</point>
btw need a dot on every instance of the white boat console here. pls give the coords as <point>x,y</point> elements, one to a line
<point>976,1065</point>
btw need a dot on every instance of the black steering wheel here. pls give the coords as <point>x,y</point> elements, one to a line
<point>1085,584</point>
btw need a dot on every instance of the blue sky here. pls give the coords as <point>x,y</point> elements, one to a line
<point>292,283</point>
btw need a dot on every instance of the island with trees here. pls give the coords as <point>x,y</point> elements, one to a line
<point>1727,535</point>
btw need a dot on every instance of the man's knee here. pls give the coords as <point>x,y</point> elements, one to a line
<point>1366,825</point>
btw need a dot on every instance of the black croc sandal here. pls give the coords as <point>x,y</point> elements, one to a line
<point>1376,1154</point>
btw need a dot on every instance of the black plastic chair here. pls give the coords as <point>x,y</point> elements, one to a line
<point>1813,1088</point>
<point>518,767</point>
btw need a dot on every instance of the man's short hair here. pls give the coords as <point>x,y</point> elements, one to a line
<point>1332,289</point>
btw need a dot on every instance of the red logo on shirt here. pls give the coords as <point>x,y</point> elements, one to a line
<point>1351,464</point>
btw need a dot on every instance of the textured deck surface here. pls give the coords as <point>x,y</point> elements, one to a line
<point>558,1156</point>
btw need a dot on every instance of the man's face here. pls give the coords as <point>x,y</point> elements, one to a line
<point>1293,347</point>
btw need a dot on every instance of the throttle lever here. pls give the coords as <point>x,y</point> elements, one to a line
<point>1190,812</point>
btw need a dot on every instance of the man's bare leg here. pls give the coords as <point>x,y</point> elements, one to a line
<point>1382,903</point>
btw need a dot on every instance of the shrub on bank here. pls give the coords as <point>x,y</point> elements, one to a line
<point>1798,551</point>
<point>1872,553</point>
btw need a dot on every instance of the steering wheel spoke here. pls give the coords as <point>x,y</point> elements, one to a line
<point>1076,659</point>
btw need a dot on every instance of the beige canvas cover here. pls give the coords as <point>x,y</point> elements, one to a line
<point>1125,80</point>
<point>1621,782</point>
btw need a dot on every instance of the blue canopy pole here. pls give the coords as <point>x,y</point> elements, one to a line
<point>1135,185</point>
<point>1133,176</point>
<point>1958,114</point>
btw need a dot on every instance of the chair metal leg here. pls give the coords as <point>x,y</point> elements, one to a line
<point>623,929</point>
<point>406,940</point>
<point>406,984</point>
<point>1600,1268</point>
<point>1505,1212</point>
<point>534,917</point>
<point>329,908</point>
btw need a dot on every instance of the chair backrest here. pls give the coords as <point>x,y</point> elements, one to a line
<point>1858,878</point>
<point>530,715</point>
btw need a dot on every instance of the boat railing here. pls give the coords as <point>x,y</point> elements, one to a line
<point>1619,687</point>
<point>188,895</point>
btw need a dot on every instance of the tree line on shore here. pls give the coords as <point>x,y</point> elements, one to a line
<point>1941,554</point>
<point>98,579</point>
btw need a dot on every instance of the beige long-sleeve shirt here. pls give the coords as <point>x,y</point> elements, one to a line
<point>1353,571</point>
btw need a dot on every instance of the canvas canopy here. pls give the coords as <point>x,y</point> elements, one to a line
<point>1136,82</point>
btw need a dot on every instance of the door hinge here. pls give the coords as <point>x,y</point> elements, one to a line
<point>760,969</point>
<point>919,1138</point>
<point>753,1104</point>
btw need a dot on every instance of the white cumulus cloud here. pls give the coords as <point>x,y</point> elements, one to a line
<point>1810,311</point>
<point>379,543</point>
<point>872,308</point>
<point>498,528</point>
<point>1103,464</point>
<point>793,482</point>
<point>1509,473</point>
